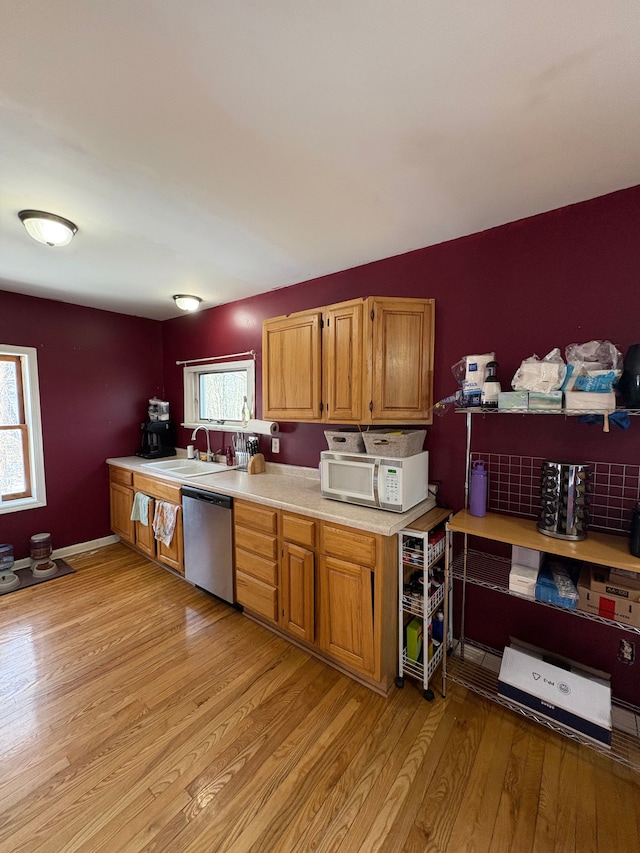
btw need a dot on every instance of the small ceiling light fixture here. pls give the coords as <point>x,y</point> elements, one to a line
<point>48,228</point>
<point>187,303</point>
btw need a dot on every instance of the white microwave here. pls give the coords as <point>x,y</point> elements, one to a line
<point>386,482</point>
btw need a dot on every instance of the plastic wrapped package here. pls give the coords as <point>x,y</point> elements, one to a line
<point>540,374</point>
<point>593,367</point>
<point>555,586</point>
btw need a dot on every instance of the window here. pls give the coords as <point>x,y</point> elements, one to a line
<point>215,394</point>
<point>21,457</point>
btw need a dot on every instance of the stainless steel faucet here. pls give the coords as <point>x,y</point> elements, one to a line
<point>193,435</point>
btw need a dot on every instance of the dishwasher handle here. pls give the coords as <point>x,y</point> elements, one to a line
<point>224,501</point>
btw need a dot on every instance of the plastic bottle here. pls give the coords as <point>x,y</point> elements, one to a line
<point>634,538</point>
<point>478,489</point>
<point>245,412</point>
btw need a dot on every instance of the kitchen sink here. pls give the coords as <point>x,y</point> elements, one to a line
<point>186,467</point>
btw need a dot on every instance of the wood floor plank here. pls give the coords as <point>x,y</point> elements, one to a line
<point>141,715</point>
<point>475,821</point>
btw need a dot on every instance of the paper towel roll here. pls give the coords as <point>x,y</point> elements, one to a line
<point>262,427</point>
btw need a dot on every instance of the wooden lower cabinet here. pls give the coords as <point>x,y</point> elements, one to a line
<point>298,591</point>
<point>256,559</point>
<point>123,485</point>
<point>346,592</point>
<point>121,503</point>
<point>328,587</point>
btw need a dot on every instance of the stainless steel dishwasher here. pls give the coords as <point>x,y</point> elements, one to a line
<point>208,541</point>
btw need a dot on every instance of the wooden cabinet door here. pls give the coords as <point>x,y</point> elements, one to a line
<point>344,366</point>
<point>297,591</point>
<point>402,360</point>
<point>145,540</point>
<point>121,504</point>
<point>291,367</point>
<point>346,613</point>
<point>173,553</point>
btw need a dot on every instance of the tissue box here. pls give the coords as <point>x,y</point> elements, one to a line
<point>587,401</point>
<point>526,557</point>
<point>513,400</point>
<point>575,696</point>
<point>522,580</point>
<point>550,402</point>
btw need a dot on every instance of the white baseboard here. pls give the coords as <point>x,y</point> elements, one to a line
<point>92,545</point>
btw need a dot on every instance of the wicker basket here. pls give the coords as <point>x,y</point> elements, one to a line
<point>394,442</point>
<point>344,441</point>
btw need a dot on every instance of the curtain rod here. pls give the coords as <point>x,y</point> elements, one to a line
<point>250,352</point>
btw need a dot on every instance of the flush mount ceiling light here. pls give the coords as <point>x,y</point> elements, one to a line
<point>187,303</point>
<point>47,227</point>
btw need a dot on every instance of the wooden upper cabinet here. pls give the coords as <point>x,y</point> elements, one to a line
<point>363,361</point>
<point>292,368</point>
<point>344,365</point>
<point>401,360</point>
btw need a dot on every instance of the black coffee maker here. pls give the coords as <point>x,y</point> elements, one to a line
<point>158,439</point>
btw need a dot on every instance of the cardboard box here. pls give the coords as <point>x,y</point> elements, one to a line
<point>604,581</point>
<point>414,639</point>
<point>626,578</point>
<point>522,580</point>
<point>606,606</point>
<point>526,557</point>
<point>513,400</point>
<point>549,402</point>
<point>558,689</point>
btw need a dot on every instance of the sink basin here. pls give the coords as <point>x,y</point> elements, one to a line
<point>186,467</point>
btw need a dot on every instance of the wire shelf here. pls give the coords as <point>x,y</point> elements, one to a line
<point>625,746</point>
<point>415,604</point>
<point>492,572</point>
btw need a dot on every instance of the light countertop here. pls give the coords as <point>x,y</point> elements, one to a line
<point>290,488</point>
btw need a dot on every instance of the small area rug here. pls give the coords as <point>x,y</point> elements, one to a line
<point>27,578</point>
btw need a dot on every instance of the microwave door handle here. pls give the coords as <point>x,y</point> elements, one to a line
<point>376,473</point>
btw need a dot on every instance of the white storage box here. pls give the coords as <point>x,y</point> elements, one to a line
<point>522,580</point>
<point>589,401</point>
<point>576,697</point>
<point>525,557</point>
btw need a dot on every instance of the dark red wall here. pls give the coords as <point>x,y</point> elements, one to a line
<point>570,275</point>
<point>97,370</point>
<point>567,276</point>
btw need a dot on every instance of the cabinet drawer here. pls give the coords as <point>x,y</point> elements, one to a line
<point>119,475</point>
<point>256,517</point>
<point>300,530</point>
<point>257,567</point>
<point>260,543</point>
<point>260,598</point>
<point>356,546</point>
<point>157,488</point>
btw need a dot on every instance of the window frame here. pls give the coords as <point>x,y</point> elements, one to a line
<point>26,358</point>
<point>191,381</point>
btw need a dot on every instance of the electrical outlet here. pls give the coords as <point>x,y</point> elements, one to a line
<point>626,651</point>
<point>275,445</point>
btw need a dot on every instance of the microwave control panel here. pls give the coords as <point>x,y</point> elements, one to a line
<point>392,491</point>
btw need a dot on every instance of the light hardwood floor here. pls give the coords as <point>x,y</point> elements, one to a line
<point>140,714</point>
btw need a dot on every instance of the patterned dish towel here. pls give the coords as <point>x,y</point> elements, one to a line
<point>164,521</point>
<point>140,508</point>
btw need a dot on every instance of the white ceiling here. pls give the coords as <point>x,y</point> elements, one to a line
<point>229,147</point>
